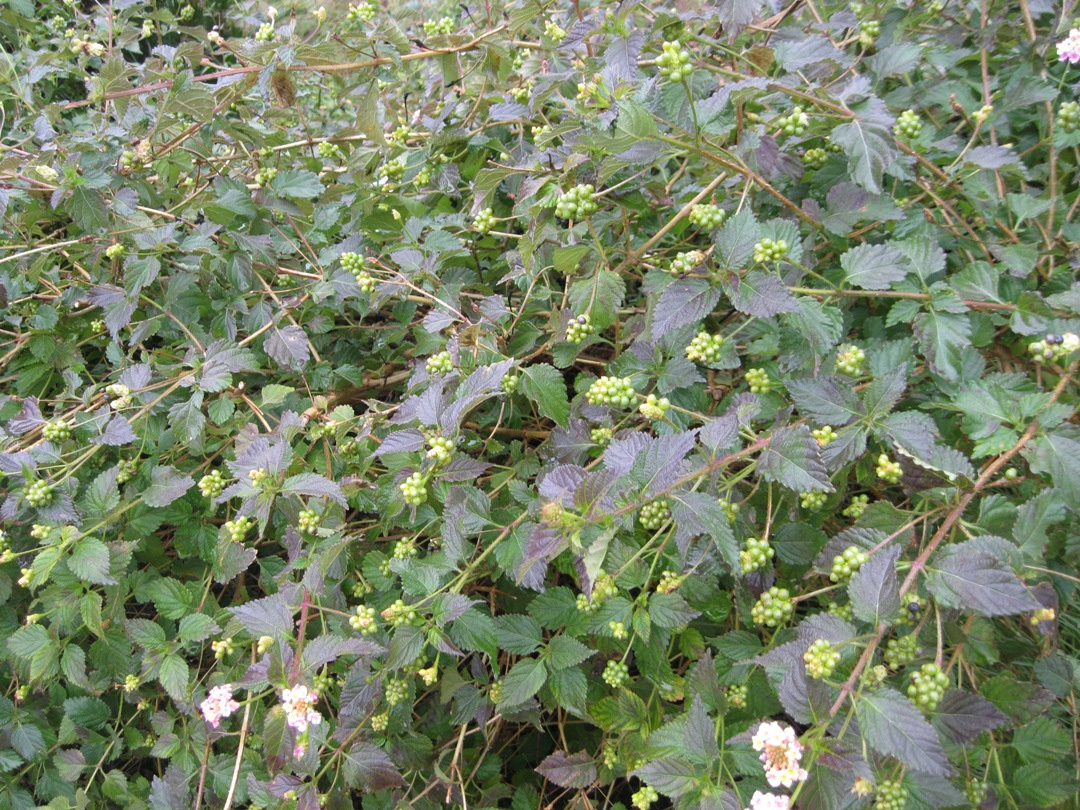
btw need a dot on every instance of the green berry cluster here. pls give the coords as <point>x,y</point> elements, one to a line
<point>443,25</point>
<point>380,721</point>
<point>707,216</point>
<point>736,696</point>
<point>845,612</point>
<point>364,621</point>
<point>212,484</point>
<point>554,31</point>
<point>685,261</point>
<point>414,489</point>
<point>495,691</point>
<point>603,589</point>
<point>812,500</point>
<point>758,380</point>
<point>114,250</point>
<point>440,363</point>
<point>616,673</point>
<point>308,521</point>
<point>57,430</point>
<point>391,170</point>
<point>976,791</point>
<point>824,435</point>
<point>1054,347</point>
<point>674,61</point>
<point>890,795</point>
<point>769,250</point>
<point>485,221</point>
<point>577,203</point>
<point>857,506</point>
<point>774,607</point>
<point>908,125</point>
<point>655,514</point>
<point>264,176</point>
<point>849,360</point>
<point>238,528</point>
<point>900,651</point>
<point>615,392</point>
<point>1068,117</point>
<point>601,436</point>
<point>509,383</point>
<point>441,450</point>
<point>644,798</point>
<point>258,477</point>
<point>795,123</point>
<point>731,509</point>
<point>927,687</point>
<point>396,690</point>
<point>706,348</point>
<point>815,158</point>
<point>654,407</point>
<point>39,494</point>
<point>755,554</point>
<point>579,328</point>
<point>821,659</point>
<point>404,549</point>
<point>846,564</point>
<point>361,12</point>
<point>330,151</point>
<point>265,32</point>
<point>618,630</point>
<point>869,31</point>
<point>888,470</point>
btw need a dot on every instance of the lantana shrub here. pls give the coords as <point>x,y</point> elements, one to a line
<point>539,404</point>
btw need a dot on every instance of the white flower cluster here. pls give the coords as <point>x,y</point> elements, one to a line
<point>769,801</point>
<point>219,703</point>
<point>781,753</point>
<point>299,712</point>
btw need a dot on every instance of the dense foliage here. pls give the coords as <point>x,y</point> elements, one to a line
<point>539,405</point>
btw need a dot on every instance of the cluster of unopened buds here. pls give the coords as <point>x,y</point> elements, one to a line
<point>654,407</point>
<point>674,61</point>
<point>555,31</point>
<point>780,753</point>
<point>85,47</point>
<point>1054,347</point>
<point>119,396</point>
<point>603,589</point>
<point>361,12</point>
<point>889,470</point>
<point>849,360</point>
<point>1069,48</point>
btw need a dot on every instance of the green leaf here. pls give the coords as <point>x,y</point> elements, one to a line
<point>874,267</point>
<point>545,386</point>
<point>196,627</point>
<point>974,580</point>
<point>89,561</point>
<point>297,183</point>
<point>672,777</point>
<point>563,652</point>
<point>523,681</point>
<point>173,675</point>
<point>874,590</point>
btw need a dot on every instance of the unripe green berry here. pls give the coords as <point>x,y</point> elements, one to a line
<point>685,262</point>
<point>908,125</point>
<point>890,795</point>
<point>774,607</point>
<point>855,509</point>
<point>821,659</point>
<point>414,489</point>
<point>616,673</point>
<point>736,696</point>
<point>654,407</point>
<point>655,514</point>
<point>815,158</point>
<point>900,651</point>
<point>578,328</point>
<point>39,494</point>
<point>577,203</point>
<point>615,392</point>
<point>440,363</point>
<point>928,687</point>
<point>707,217</point>
<point>756,554</point>
<point>364,621</point>
<point>824,435</point>
<point>813,500</point>
<point>758,380</point>
<point>485,221</point>
<point>846,564</point>
<point>57,430</point>
<point>889,470</point>
<point>706,348</point>
<point>212,484</point>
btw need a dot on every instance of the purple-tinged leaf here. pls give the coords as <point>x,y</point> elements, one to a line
<point>314,486</point>
<point>166,485</point>
<point>369,767</point>
<point>569,770</point>
<point>683,302</point>
<point>894,727</point>
<point>269,616</point>
<point>326,648</point>
<point>975,580</point>
<point>827,400</point>
<point>963,716</point>
<point>759,294</point>
<point>408,440</point>
<point>117,432</point>
<point>288,346</point>
<point>28,418</point>
<point>874,589</point>
<point>793,459</point>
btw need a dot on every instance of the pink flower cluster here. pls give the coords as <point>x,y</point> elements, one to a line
<point>769,801</point>
<point>298,703</point>
<point>781,752</point>
<point>1069,48</point>
<point>219,703</point>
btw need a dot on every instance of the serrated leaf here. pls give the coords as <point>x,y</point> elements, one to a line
<point>89,561</point>
<point>288,346</point>
<point>166,485</point>
<point>682,302</point>
<point>827,400</point>
<point>759,294</point>
<point>874,590</point>
<point>524,680</point>
<point>975,580</point>
<point>368,766</point>
<point>269,616</point>
<point>297,183</point>
<point>895,728</point>
<point>569,770</point>
<point>793,459</point>
<point>545,386</point>
<point>173,675</point>
<point>564,651</point>
<point>313,486</point>
<point>868,142</point>
<point>874,267</point>
<point>196,627</point>
<point>963,716</point>
<point>672,777</point>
